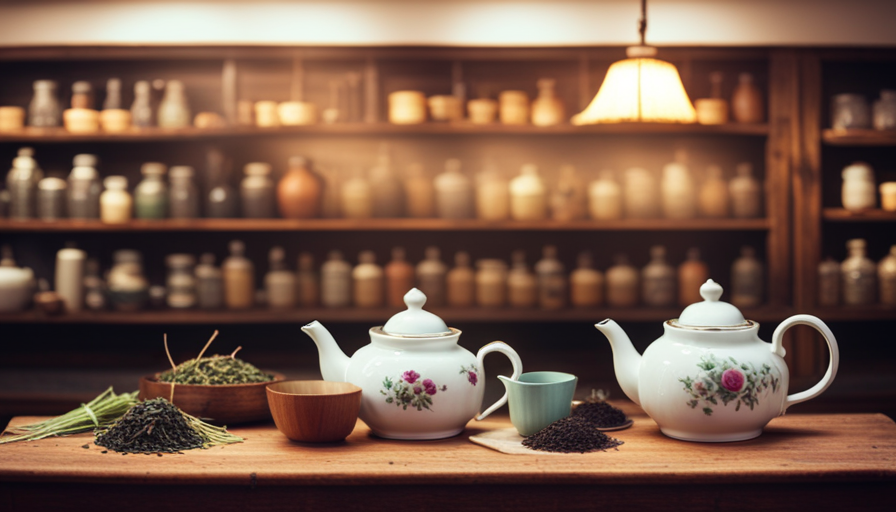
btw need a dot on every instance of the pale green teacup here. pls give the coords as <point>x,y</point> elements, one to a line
<point>538,399</point>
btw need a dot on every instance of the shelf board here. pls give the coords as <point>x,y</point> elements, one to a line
<point>403,224</point>
<point>856,313</point>
<point>60,135</point>
<point>844,215</point>
<point>371,316</point>
<point>859,137</point>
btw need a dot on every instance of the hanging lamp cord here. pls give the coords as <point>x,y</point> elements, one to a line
<point>642,22</point>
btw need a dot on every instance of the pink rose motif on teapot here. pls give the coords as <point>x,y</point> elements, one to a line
<point>728,381</point>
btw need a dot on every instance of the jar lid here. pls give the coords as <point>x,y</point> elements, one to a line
<point>180,260</point>
<point>257,169</point>
<point>857,170</point>
<point>711,312</point>
<point>84,160</point>
<point>415,321</point>
<point>115,183</point>
<point>52,184</point>
<point>181,172</point>
<point>153,169</point>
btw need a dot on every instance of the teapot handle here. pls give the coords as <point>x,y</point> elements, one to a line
<point>499,346</point>
<point>778,339</point>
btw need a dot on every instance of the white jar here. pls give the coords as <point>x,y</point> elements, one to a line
<point>115,203</point>
<point>605,197</point>
<point>858,192</point>
<point>528,195</point>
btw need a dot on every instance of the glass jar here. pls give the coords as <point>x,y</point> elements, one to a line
<point>44,110</point>
<point>151,194</point>
<point>257,192</point>
<point>181,281</point>
<point>605,197</point>
<point>279,282</point>
<point>116,203</point>
<point>747,279</point>
<point>642,197</point>
<point>141,109</point>
<point>850,111</point>
<point>586,284</point>
<point>885,111</point>
<point>858,191</point>
<point>51,199</point>
<point>551,280</point>
<point>622,284</point>
<point>886,277</point>
<point>21,182</point>
<point>745,192</point>
<point>528,195</point>
<point>335,282</point>
<point>386,190</point>
<point>454,193</point>
<point>174,112</point>
<point>491,283</point>
<point>492,194</point>
<point>209,283</point>
<point>658,280</point>
<point>829,282</point>
<point>84,188</point>
<point>678,192</point>
<point>183,196</point>
<point>128,288</point>
<point>858,274</point>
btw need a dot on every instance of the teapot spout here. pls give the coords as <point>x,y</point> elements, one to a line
<point>626,360</point>
<point>333,361</point>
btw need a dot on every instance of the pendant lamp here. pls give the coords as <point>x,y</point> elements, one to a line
<point>639,89</point>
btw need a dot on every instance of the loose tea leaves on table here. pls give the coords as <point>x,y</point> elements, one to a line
<point>157,426</point>
<point>573,434</point>
<point>600,413</point>
<point>99,412</point>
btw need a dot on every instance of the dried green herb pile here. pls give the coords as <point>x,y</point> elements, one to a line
<point>600,413</point>
<point>215,371</point>
<point>99,412</point>
<point>573,434</point>
<point>157,426</point>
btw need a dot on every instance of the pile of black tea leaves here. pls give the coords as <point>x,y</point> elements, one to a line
<point>600,413</point>
<point>573,434</point>
<point>158,426</point>
<point>216,370</point>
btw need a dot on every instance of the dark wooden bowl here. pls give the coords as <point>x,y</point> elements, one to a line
<point>221,405</point>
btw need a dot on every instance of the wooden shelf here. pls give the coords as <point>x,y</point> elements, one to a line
<point>857,137</point>
<point>202,225</point>
<point>843,215</point>
<point>856,313</point>
<point>59,135</point>
<point>371,316</point>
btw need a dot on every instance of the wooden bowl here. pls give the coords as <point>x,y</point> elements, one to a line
<point>314,411</point>
<point>221,405</point>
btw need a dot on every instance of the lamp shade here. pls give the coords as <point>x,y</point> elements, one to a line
<point>639,90</point>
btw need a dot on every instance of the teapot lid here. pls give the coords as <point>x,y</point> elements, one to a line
<point>711,312</point>
<point>415,321</point>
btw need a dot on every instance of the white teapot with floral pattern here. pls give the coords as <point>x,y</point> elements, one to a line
<point>416,381</point>
<point>709,377</point>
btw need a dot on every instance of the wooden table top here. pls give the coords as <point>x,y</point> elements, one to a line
<point>793,448</point>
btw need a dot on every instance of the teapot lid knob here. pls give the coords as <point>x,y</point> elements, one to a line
<point>414,299</point>
<point>416,321</point>
<point>711,291</point>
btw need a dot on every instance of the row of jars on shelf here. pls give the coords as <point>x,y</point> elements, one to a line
<point>366,284</point>
<point>851,111</point>
<point>857,281</point>
<point>859,190</point>
<point>304,193</point>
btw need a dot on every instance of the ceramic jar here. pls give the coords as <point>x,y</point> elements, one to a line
<point>368,283</point>
<point>482,110</point>
<point>454,193</point>
<point>491,283</point>
<point>183,195</point>
<point>885,111</point>
<point>70,278</point>
<point>460,282</point>
<point>266,114</point>
<point>745,192</point>
<point>44,110</point>
<point>678,192</point>
<point>12,119</point>
<point>850,111</point>
<point>746,102</point>
<point>81,118</point>
<point>21,182</point>
<point>221,200</point>
<point>658,280</point>
<point>748,278</point>
<point>431,274</point>
<point>335,282</point>
<point>605,197</point>
<point>151,194</point>
<point>419,193</point>
<point>712,110</point>
<point>547,109</point>
<point>886,278</point>
<point>445,108</point>
<point>492,194</point>
<point>386,189</point>
<point>297,113</point>
<point>357,197</point>
<point>399,278</point>
<point>552,289</point>
<point>239,278</point>
<point>141,108</point>
<point>528,195</point>
<point>513,107</point>
<point>113,118</point>
<point>858,191</point>
<point>128,288</point>
<point>84,188</point>
<point>180,283</point>
<point>209,283</point>
<point>714,201</point>
<point>858,275</point>
<point>522,285</point>
<point>692,273</point>
<point>568,200</point>
<point>307,282</point>
<point>888,196</point>
<point>300,191</point>
<point>829,282</point>
<point>407,107</point>
<point>51,198</point>
<point>257,193</point>
<point>622,284</point>
<point>279,282</point>
<point>174,111</point>
<point>586,285</point>
<point>642,197</point>
<point>116,204</point>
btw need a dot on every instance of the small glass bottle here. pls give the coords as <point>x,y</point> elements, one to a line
<point>746,201</point>
<point>279,282</point>
<point>692,274</point>
<point>419,192</point>
<point>528,195</point>
<point>747,279</point>
<point>568,201</point>
<point>180,283</point>
<point>522,285</point>
<point>829,282</point>
<point>239,278</point>
<point>605,197</point>
<point>642,197</point>
<point>84,188</point>
<point>714,201</point>
<point>552,288</point>
<point>222,201</point>
<point>209,283</point>
<point>586,284</point>
<point>547,109</point>
<point>399,278</point>
<point>335,282</point>
<point>141,109</point>
<point>886,277</point>
<point>151,194</point>
<point>44,110</point>
<point>885,111</point>
<point>174,111</point>
<point>746,102</point>
<point>367,280</point>
<point>622,284</point>
<point>460,282</point>
<point>658,280</point>
<point>21,182</point>
<point>357,198</point>
<point>431,277</point>
<point>454,192</point>
<point>678,191</point>
<point>491,283</point>
<point>307,282</point>
<point>850,111</point>
<point>859,191</point>
<point>51,194</point>
<point>386,190</point>
<point>116,203</point>
<point>858,274</point>
<point>257,192</point>
<point>492,194</point>
<point>183,195</point>
<point>128,287</point>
